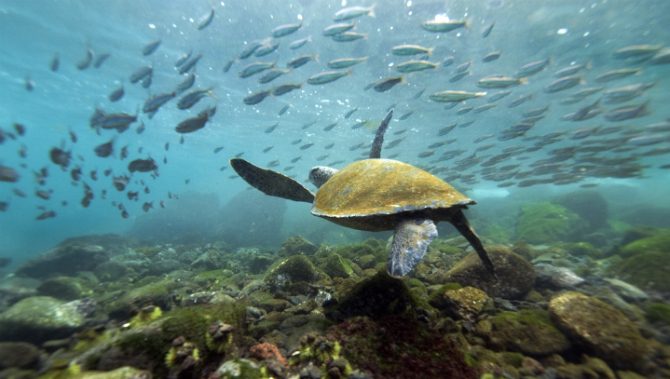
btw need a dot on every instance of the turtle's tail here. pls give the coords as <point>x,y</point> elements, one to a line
<point>461,223</point>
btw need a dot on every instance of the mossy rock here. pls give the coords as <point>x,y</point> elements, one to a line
<point>600,328</point>
<point>514,275</point>
<point>157,293</point>
<point>547,222</point>
<point>18,355</point>
<point>647,270</point>
<point>658,313</point>
<point>463,303</point>
<point>211,276</point>
<point>658,242</point>
<point>530,332</point>
<point>64,288</point>
<point>371,246</point>
<point>295,245</point>
<point>336,266</point>
<point>40,318</point>
<point>380,295</point>
<point>240,369</point>
<point>296,268</point>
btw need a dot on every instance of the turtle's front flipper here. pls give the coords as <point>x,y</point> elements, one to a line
<point>270,182</point>
<point>410,242</point>
<point>461,223</point>
<point>376,150</point>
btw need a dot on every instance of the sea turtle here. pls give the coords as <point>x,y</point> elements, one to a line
<point>377,194</point>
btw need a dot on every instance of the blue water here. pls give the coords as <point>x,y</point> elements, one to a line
<point>31,32</point>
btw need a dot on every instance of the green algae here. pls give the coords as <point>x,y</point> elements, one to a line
<point>547,222</point>
<point>658,241</point>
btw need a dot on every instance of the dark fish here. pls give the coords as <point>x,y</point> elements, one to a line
<point>117,94</point>
<point>86,62</point>
<point>140,129</point>
<point>296,159</point>
<point>42,194</point>
<point>256,97</point>
<point>60,157</point>
<point>142,165</point>
<point>268,149</point>
<point>532,68</point>
<point>255,68</point>
<point>104,150</point>
<point>284,30</point>
<point>18,192</point>
<point>271,128</point>
<point>285,88</point>
<point>45,215</point>
<point>250,50</point>
<point>189,64</point>
<point>330,127</point>
<point>283,110</point>
<point>153,104</point>
<point>300,61</point>
<point>8,174</point>
<point>55,63</point>
<point>459,76</point>
<point>195,123</point>
<point>386,84</point>
<point>146,82</point>
<point>299,43</point>
<point>147,206</point>
<point>149,48</point>
<point>132,196</point>
<point>306,146</point>
<point>228,65</point>
<point>120,182</point>
<point>627,112</point>
<point>75,174</point>
<point>349,113</point>
<point>520,100</point>
<point>186,83</point>
<point>29,84</point>
<point>267,47</point>
<point>492,56</point>
<point>563,84</point>
<point>406,115</point>
<point>272,74</point>
<point>329,146</point>
<point>101,59</point>
<point>141,73</point>
<point>218,149</point>
<point>181,140</point>
<point>192,98</point>
<point>20,129</point>
<point>118,121</point>
<point>488,30</point>
<point>448,61</point>
<point>206,20</point>
<point>182,59</point>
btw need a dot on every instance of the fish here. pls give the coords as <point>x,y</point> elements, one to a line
<point>142,165</point>
<point>329,146</point>
<point>483,108</point>
<point>350,112</point>
<point>140,129</point>
<point>8,174</point>
<point>294,160</point>
<point>446,130</point>
<point>405,115</point>
<point>267,149</point>
<point>572,70</point>
<point>354,12</point>
<point>117,94</point>
<point>584,113</point>
<point>228,65</point>
<point>443,25</point>
<point>617,74</point>
<point>563,83</point>
<point>196,123</point>
<point>327,77</point>
<point>341,63</point>
<point>487,30</point>
<point>415,65</point>
<point>348,37</point>
<point>463,67</point>
<point>405,50</point>
<point>141,73</point>
<point>118,121</point>
<point>45,215</point>
<point>29,84</point>
<point>267,47</point>
<point>284,30</point>
<point>186,84</point>
<point>60,157</point>
<point>532,68</point>
<point>300,61</point>
<point>627,112</point>
<point>499,95</point>
<point>120,182</point>
<point>167,146</point>
<point>55,63</point>
<point>255,68</point>
<point>662,57</point>
<point>4,206</point>
<point>183,58</point>
<point>329,127</point>
<point>124,152</point>
<point>146,82</point>
<point>636,51</point>
<point>150,47</point>
<point>189,64</point>
<point>499,81</point>
<point>193,97</point>
<point>459,76</point>
<point>454,96</point>
<point>338,28</point>
<point>492,56</point>
<point>386,84</point>
<point>271,128</point>
<point>283,110</point>
<point>285,88</point>
<point>295,45</point>
<point>206,20</point>
<point>256,97</point>
<point>218,149</point>
<point>306,146</point>
<point>104,150</point>
<point>625,93</point>
<point>153,104</point>
<point>520,100</point>
<point>147,206</point>
<point>272,74</point>
<point>86,62</point>
<point>464,110</point>
<point>250,50</point>
<point>19,128</point>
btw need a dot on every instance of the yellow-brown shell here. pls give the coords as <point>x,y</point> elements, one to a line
<point>382,187</point>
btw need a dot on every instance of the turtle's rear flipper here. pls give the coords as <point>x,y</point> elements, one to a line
<point>410,242</point>
<point>270,182</point>
<point>461,223</point>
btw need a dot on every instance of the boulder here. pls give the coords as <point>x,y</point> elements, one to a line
<point>18,355</point>
<point>514,275</point>
<point>601,329</point>
<point>546,222</point>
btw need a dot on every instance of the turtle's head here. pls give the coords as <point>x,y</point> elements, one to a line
<point>320,174</point>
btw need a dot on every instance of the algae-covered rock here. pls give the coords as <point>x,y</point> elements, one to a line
<point>589,205</point>
<point>547,222</point>
<point>119,373</point>
<point>464,303</point>
<point>295,245</point>
<point>528,331</point>
<point>66,259</point>
<point>40,318</point>
<point>157,293</point>
<point>336,266</point>
<point>380,295</point>
<point>601,328</point>
<point>239,369</point>
<point>296,268</point>
<point>514,275</point>
<point>18,355</point>
<point>658,313</point>
<point>64,288</point>
<point>647,270</point>
<point>657,241</point>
